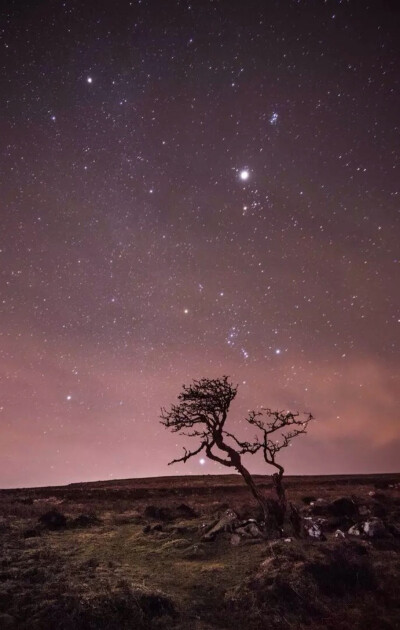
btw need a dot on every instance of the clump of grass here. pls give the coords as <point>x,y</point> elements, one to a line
<point>297,583</point>
<point>123,607</point>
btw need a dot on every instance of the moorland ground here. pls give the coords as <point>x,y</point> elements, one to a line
<point>131,554</point>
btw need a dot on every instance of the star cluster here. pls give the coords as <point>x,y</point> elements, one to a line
<point>194,189</point>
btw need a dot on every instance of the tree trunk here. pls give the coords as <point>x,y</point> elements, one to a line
<point>254,490</point>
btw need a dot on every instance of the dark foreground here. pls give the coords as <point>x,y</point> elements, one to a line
<point>131,555</point>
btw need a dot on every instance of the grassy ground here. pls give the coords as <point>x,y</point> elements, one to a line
<point>114,573</point>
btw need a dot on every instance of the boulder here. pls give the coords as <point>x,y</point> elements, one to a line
<point>225,524</point>
<point>248,529</point>
<point>235,540</point>
<point>313,528</point>
<point>355,530</point>
<point>373,528</point>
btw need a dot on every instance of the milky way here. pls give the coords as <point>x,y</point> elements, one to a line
<point>195,189</point>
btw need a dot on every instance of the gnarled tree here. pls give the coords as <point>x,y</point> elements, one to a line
<point>278,424</point>
<point>202,413</point>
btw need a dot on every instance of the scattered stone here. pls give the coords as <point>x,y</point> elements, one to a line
<point>372,493</point>
<point>313,528</point>
<point>235,539</point>
<point>355,530</point>
<point>339,534</point>
<point>225,524</point>
<point>287,540</point>
<point>374,528</point>
<point>253,529</point>
<point>309,500</point>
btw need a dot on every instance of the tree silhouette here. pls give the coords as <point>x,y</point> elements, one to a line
<point>288,426</point>
<point>202,413</point>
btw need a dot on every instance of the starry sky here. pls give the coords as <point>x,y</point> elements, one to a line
<point>190,189</point>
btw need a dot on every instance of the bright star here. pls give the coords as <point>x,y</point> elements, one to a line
<point>186,311</point>
<point>244,174</point>
<point>202,461</point>
<point>89,80</point>
<point>277,351</point>
<point>69,397</point>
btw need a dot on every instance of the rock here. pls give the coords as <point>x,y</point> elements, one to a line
<point>374,528</point>
<point>242,531</point>
<point>225,524</point>
<point>287,540</point>
<point>309,500</point>
<point>253,529</point>
<point>313,528</point>
<point>372,493</point>
<point>339,534</point>
<point>355,530</point>
<point>235,540</point>
<point>248,529</point>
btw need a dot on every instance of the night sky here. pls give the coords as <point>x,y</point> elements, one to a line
<point>192,189</point>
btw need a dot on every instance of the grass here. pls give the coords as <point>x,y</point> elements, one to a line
<point>115,572</point>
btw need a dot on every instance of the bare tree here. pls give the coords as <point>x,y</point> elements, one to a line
<point>202,413</point>
<point>277,433</point>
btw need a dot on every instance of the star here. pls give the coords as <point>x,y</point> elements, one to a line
<point>89,80</point>
<point>69,397</point>
<point>244,175</point>
<point>202,461</point>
